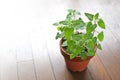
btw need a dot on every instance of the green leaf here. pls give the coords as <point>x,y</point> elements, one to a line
<point>90,44</point>
<point>81,42</point>
<point>96,16</point>
<point>72,56</point>
<point>94,40</point>
<point>78,13</point>
<point>58,35</point>
<point>68,32</point>
<point>83,56</point>
<point>101,36</point>
<point>88,36</point>
<point>74,11</point>
<point>77,37</point>
<point>101,23</point>
<point>91,52</point>
<point>78,24</point>
<point>77,49</point>
<point>99,46</point>
<point>56,24</point>
<point>64,44</point>
<point>90,27</point>
<point>71,44</point>
<point>89,16</point>
<point>90,47</point>
<point>63,22</point>
<point>59,28</point>
<point>71,10</point>
<point>70,14</point>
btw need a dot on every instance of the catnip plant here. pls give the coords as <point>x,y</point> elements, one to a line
<point>75,42</point>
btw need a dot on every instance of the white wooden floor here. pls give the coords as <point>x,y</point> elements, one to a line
<point>28,49</point>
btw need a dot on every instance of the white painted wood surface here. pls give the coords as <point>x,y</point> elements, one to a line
<point>26,70</point>
<point>43,66</point>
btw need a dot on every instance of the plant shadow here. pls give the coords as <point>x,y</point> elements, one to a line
<point>83,75</point>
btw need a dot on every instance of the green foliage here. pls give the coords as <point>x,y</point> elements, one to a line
<point>89,16</point>
<point>100,36</point>
<point>99,46</point>
<point>58,35</point>
<point>96,16</point>
<point>68,32</point>
<point>101,23</point>
<point>77,43</point>
<point>72,56</point>
<point>90,27</point>
<point>90,46</point>
<point>78,24</point>
<point>64,44</point>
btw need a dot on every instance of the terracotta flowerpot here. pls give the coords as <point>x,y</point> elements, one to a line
<point>76,64</point>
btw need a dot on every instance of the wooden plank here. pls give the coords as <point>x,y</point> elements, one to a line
<point>111,53</point>
<point>8,68</point>
<point>23,47</point>
<point>26,70</point>
<point>110,63</point>
<point>114,45</point>
<point>109,58</point>
<point>97,69</point>
<point>42,62</point>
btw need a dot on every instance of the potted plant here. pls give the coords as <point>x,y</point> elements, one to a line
<point>79,39</point>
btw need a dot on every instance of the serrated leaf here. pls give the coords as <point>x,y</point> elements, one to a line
<point>72,56</point>
<point>64,44</point>
<point>96,16</point>
<point>68,32</point>
<point>89,16</point>
<point>101,36</point>
<point>101,23</point>
<point>99,46</point>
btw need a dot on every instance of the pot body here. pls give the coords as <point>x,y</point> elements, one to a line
<point>76,64</point>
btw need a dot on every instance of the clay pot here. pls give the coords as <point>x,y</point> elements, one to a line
<point>76,64</point>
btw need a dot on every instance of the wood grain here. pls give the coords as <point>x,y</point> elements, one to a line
<point>44,70</point>
<point>26,70</point>
<point>8,68</point>
<point>96,65</point>
<point>29,51</point>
